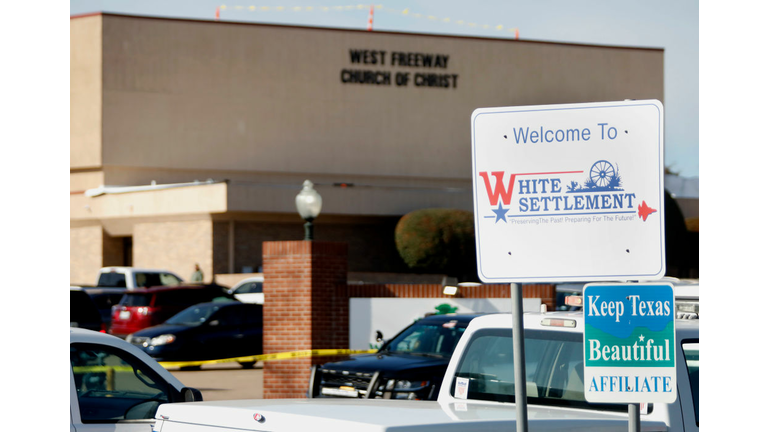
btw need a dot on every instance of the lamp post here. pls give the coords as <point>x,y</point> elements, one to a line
<point>308,204</point>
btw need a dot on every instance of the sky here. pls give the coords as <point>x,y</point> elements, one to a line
<point>671,25</point>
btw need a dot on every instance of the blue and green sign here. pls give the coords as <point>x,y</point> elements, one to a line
<point>629,343</point>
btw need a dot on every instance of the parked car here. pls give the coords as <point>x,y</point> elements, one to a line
<point>139,309</point>
<point>249,290</point>
<point>83,312</point>
<point>116,387</point>
<point>132,278</point>
<point>205,331</point>
<point>105,299</point>
<point>409,366</point>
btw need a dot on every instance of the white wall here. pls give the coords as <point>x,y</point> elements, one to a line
<point>391,315</point>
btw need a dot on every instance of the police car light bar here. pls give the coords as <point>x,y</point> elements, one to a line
<point>574,300</point>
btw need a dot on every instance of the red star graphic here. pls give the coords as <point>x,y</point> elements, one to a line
<point>644,211</point>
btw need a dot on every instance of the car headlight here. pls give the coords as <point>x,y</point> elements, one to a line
<point>162,340</point>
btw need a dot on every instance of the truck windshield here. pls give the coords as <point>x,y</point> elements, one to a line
<point>438,339</point>
<point>554,369</point>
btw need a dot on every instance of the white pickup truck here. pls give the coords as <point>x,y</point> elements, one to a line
<point>116,387</point>
<point>482,362</point>
<point>132,278</point>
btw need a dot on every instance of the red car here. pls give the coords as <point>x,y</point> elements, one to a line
<point>139,309</point>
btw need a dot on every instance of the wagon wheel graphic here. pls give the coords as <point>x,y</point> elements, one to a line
<point>601,173</point>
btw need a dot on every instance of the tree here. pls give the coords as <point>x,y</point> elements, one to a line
<point>676,238</point>
<point>438,241</point>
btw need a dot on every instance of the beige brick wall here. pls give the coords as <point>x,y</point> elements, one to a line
<point>174,246</point>
<point>85,254</point>
<point>85,87</point>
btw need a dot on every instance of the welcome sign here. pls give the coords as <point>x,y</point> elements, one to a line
<point>569,192</point>
<point>629,343</point>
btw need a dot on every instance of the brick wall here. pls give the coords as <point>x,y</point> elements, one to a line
<point>546,292</point>
<point>85,250</point>
<point>174,246</point>
<point>305,307</point>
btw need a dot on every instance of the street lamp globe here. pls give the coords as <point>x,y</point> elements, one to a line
<point>308,204</point>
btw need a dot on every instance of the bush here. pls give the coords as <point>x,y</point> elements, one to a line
<point>438,241</point>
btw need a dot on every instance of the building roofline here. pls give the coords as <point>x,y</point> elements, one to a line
<point>205,21</point>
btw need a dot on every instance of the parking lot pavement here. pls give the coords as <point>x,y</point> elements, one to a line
<point>224,381</point>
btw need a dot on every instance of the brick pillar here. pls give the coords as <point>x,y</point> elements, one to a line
<point>306,306</point>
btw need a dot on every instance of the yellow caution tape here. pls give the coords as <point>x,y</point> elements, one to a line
<point>270,357</point>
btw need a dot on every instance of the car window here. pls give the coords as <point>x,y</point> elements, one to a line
<point>193,315</point>
<point>112,279</point>
<point>691,353</point>
<point>176,298</point>
<point>169,279</point>
<point>250,288</point>
<point>437,339</point>
<point>136,299</point>
<point>554,369</point>
<point>228,317</point>
<point>112,385</point>
<point>147,279</point>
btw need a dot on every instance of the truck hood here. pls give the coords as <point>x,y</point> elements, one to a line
<point>381,415</point>
<point>387,362</point>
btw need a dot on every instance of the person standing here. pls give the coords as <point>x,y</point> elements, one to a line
<point>197,275</point>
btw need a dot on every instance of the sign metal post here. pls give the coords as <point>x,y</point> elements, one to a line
<point>518,352</point>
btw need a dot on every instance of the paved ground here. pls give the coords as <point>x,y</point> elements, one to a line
<point>224,381</point>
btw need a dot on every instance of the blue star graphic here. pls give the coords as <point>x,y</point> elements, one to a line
<point>500,213</point>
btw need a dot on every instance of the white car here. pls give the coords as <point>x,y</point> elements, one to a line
<point>249,290</point>
<point>115,386</point>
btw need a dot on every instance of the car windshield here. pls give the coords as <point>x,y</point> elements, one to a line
<point>433,339</point>
<point>193,315</point>
<point>554,368</point>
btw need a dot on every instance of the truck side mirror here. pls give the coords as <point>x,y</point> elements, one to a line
<point>189,394</point>
<point>379,336</point>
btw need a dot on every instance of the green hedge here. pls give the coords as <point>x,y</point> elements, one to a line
<point>438,241</point>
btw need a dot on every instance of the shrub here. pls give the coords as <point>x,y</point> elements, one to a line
<point>438,241</point>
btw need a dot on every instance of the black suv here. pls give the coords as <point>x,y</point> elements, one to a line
<point>83,312</point>
<point>409,366</point>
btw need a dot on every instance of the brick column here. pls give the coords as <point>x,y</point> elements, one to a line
<point>306,306</point>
